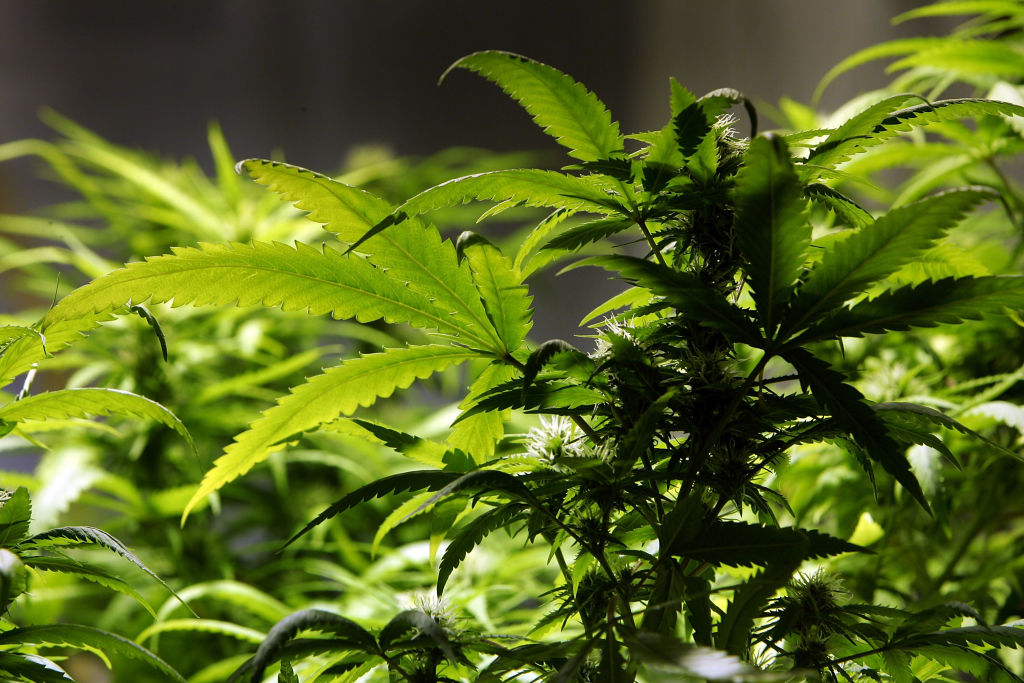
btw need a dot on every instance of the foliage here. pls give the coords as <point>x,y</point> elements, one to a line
<point>22,554</point>
<point>801,366</point>
<point>646,481</point>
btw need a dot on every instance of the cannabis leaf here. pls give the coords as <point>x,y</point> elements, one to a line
<point>564,108</point>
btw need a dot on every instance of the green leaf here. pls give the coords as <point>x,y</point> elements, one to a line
<point>296,277</point>
<point>542,396</point>
<point>506,298</point>
<point>478,434</point>
<point>89,638</point>
<point>65,403</point>
<point>878,51</point>
<point>954,7</point>
<point>30,668</point>
<point>734,630</point>
<point>848,408</point>
<point>987,57</point>
<point>847,210</point>
<point>685,292</point>
<point>222,628</point>
<point>591,231</point>
<point>771,225</point>
<point>744,544</point>
<point>932,418</point>
<point>86,535</point>
<point>22,354</point>
<point>338,391</point>
<point>347,635</point>
<point>993,636</point>
<point>88,572</point>
<point>525,254</point>
<point>529,187</point>
<point>564,108</point>
<point>481,482</point>
<point>10,333</point>
<point>877,251</point>
<point>885,120</point>
<point>396,483</point>
<point>410,252</point>
<point>543,355</point>
<point>233,594</point>
<point>470,537</point>
<point>413,447</point>
<point>15,515</point>
<point>424,625</point>
<point>928,304</point>
<point>13,578</point>
<point>407,510</point>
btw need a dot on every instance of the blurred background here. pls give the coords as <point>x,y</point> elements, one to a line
<point>313,79</point>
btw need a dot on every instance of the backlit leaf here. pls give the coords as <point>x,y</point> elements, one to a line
<point>564,108</point>
<point>338,391</point>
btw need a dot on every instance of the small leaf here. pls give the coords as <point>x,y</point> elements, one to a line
<point>10,333</point>
<point>500,285</point>
<point>592,231</point>
<point>478,434</point>
<point>13,578</point>
<point>928,304</point>
<point>15,515</point>
<point>90,573</point>
<point>411,252</point>
<point>564,108</point>
<point>744,544</point>
<point>348,635</point>
<point>296,277</point>
<point>878,250</point>
<point>686,292</point>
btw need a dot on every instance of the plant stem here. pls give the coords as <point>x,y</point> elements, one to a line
<point>650,240</point>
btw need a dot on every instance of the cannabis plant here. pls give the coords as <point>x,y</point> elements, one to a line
<point>22,554</point>
<point>648,477</point>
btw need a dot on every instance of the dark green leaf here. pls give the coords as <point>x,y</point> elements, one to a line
<point>849,409</point>
<point>348,635</point>
<point>744,544</point>
<point>928,304</point>
<point>423,480</point>
<point>470,537</point>
<point>687,293</point>
<point>771,225</point>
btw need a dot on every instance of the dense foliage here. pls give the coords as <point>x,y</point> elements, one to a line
<point>789,449</point>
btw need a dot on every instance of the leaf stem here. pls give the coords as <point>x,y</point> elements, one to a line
<point>642,224</point>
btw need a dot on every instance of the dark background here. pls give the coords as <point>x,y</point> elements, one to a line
<point>312,79</point>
